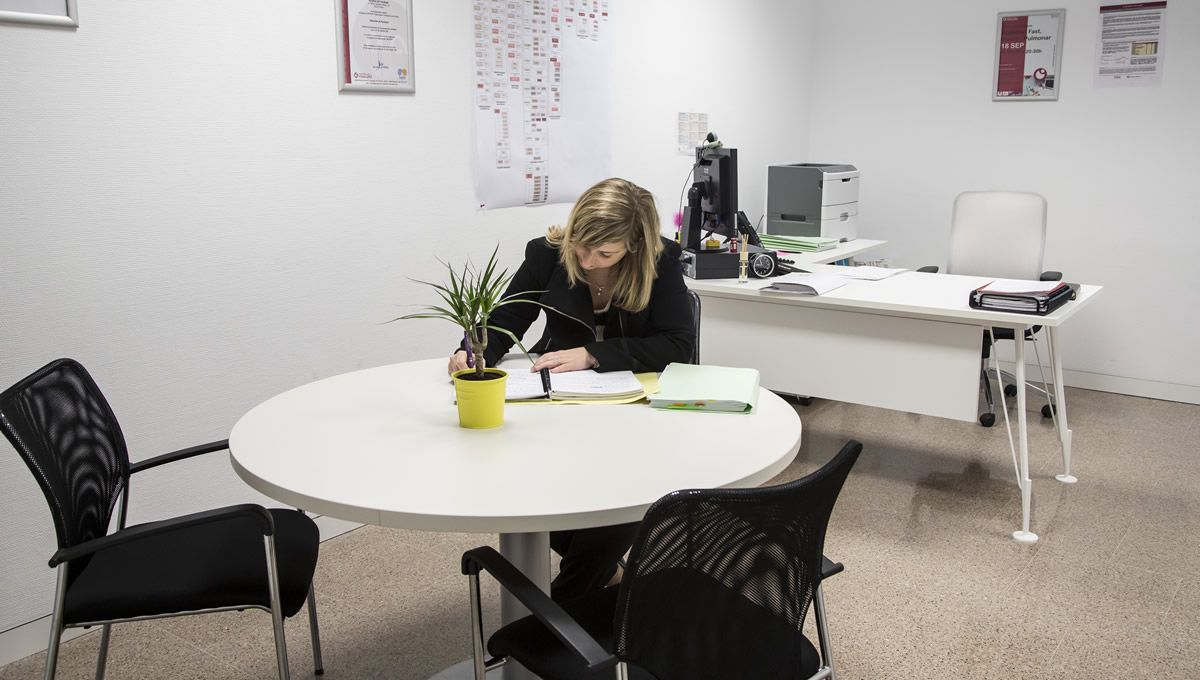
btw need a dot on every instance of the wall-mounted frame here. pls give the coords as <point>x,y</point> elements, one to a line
<point>1028,55</point>
<point>375,45</point>
<point>44,12</point>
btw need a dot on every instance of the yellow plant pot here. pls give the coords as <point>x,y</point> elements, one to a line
<point>480,402</point>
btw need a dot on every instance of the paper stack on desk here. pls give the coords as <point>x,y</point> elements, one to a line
<point>1026,297</point>
<point>801,283</point>
<point>707,388</point>
<point>798,244</point>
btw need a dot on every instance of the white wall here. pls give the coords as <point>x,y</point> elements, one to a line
<point>189,208</point>
<point>902,91</point>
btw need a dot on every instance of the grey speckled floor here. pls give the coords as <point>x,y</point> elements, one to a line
<point>934,586</point>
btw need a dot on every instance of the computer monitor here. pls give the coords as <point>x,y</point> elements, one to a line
<point>717,170</point>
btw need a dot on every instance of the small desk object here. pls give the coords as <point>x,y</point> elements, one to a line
<point>909,342</point>
<point>383,446</point>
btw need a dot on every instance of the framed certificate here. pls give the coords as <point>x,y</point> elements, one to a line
<point>375,45</point>
<point>1028,55</point>
<point>47,12</point>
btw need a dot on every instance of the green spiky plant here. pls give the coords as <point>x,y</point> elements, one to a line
<point>470,298</point>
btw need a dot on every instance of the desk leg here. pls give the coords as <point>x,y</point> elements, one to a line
<point>1060,406</point>
<point>531,554</point>
<point>1024,535</point>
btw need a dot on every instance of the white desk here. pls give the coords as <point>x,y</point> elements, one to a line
<point>909,342</point>
<point>383,446</point>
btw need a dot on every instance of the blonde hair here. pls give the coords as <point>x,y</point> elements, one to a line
<point>614,211</point>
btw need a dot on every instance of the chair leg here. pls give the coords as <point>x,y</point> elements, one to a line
<point>823,631</point>
<point>102,658</point>
<point>315,632</point>
<point>476,627</point>
<point>988,417</point>
<point>276,609</point>
<point>56,622</point>
<point>622,671</point>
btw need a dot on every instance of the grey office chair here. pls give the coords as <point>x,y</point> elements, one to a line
<point>1000,234</point>
<point>231,558</point>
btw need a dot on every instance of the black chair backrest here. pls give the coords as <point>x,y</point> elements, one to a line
<point>694,298</point>
<point>718,581</point>
<point>65,431</point>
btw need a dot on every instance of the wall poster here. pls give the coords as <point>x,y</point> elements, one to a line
<point>1028,55</point>
<point>47,12</point>
<point>374,40</point>
<point>542,99</point>
<point>1130,47</point>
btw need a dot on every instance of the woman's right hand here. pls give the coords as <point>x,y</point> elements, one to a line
<point>458,362</point>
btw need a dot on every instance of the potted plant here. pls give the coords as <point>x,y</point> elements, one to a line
<point>469,298</point>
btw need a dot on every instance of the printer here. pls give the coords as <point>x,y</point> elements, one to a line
<point>813,199</point>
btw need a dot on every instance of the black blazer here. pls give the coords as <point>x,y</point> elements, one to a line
<point>646,341</point>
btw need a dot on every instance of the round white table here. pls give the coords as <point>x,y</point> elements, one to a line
<point>383,446</point>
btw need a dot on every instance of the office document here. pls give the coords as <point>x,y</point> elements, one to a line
<point>542,100</point>
<point>1129,45</point>
<point>707,388</point>
<point>573,386</point>
<point>801,283</point>
<point>375,45</point>
<point>862,273</point>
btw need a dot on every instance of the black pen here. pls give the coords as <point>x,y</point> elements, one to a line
<point>545,373</point>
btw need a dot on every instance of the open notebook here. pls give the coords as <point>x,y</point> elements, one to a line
<point>572,386</point>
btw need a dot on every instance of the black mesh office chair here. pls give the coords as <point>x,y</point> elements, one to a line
<point>718,585</point>
<point>218,560</point>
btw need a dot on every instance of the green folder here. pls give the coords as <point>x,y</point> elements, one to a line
<point>688,387</point>
<point>798,244</point>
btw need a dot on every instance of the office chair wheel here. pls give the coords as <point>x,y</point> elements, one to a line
<point>1010,390</point>
<point>987,419</point>
<point>1048,410</point>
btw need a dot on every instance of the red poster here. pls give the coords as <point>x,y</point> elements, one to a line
<point>1011,65</point>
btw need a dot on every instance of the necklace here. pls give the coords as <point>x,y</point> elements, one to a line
<point>599,288</point>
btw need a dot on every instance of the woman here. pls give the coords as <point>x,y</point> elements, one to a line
<point>611,268</point>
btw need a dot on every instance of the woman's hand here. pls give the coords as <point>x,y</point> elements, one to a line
<point>576,359</point>
<point>458,362</point>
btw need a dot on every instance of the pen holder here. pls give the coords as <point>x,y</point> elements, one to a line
<point>480,401</point>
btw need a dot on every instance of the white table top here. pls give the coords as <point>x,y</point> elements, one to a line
<point>941,297</point>
<point>383,446</point>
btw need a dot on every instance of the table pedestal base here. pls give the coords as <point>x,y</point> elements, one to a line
<point>529,552</point>
<point>463,671</point>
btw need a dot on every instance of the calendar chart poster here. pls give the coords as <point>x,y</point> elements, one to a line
<point>542,100</point>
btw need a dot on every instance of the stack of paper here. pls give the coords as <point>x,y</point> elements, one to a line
<point>1030,297</point>
<point>800,283</point>
<point>797,244</point>
<point>860,273</point>
<point>707,388</point>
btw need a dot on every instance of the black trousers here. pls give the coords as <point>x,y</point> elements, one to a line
<point>589,558</point>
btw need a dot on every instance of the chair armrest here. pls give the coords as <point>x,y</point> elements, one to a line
<point>928,269</point>
<point>135,533</point>
<point>830,568</point>
<point>1051,276</point>
<point>178,455</point>
<point>566,629</point>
